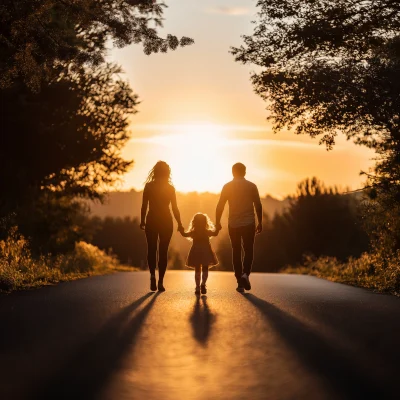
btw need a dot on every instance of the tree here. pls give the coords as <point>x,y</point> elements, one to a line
<point>328,66</point>
<point>51,223</point>
<point>38,38</point>
<point>67,138</point>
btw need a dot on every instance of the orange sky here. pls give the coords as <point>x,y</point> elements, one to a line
<point>199,112</point>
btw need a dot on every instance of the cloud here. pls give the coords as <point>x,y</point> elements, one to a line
<point>229,10</point>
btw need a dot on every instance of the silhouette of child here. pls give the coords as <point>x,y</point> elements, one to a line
<point>201,255</point>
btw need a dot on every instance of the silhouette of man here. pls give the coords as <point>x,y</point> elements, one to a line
<point>242,197</point>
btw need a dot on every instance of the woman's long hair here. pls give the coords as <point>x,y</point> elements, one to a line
<point>161,171</point>
<point>199,222</point>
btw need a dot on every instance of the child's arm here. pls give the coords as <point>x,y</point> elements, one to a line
<point>213,233</point>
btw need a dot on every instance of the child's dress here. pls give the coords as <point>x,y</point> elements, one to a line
<point>201,252</point>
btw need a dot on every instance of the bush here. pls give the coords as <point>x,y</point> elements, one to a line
<point>372,271</point>
<point>86,258</point>
<point>19,269</point>
<point>17,266</point>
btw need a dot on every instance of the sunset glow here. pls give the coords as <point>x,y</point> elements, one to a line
<point>195,155</point>
<point>199,113</point>
<point>196,158</point>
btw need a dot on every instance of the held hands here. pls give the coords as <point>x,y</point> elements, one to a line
<point>259,229</point>
<point>181,229</point>
<point>218,227</point>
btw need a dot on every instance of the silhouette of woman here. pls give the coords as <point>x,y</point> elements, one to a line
<point>158,194</point>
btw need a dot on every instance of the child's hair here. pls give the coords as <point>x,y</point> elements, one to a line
<point>199,222</point>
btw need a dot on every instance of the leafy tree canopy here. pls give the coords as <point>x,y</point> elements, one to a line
<point>66,138</point>
<point>329,66</point>
<point>38,35</point>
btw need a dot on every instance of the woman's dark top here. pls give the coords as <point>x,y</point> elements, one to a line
<point>158,196</point>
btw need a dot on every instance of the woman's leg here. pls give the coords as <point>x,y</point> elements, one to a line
<point>152,238</point>
<point>165,237</point>
<point>205,274</point>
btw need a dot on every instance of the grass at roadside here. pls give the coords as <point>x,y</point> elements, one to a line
<point>19,270</point>
<point>371,271</point>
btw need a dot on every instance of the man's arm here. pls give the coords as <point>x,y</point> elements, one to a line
<point>220,208</point>
<point>259,212</point>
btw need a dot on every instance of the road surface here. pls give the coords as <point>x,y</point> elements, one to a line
<point>291,337</point>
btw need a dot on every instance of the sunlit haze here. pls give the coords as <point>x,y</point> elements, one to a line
<point>199,113</point>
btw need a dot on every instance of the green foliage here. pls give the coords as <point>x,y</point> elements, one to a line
<point>382,222</point>
<point>39,37</point>
<point>52,223</point>
<point>372,271</point>
<point>328,65</point>
<point>67,138</point>
<point>20,270</point>
<point>86,258</point>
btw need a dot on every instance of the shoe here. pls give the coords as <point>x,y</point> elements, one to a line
<point>203,289</point>
<point>197,290</point>
<point>161,287</point>
<point>153,284</point>
<point>240,288</point>
<point>245,282</point>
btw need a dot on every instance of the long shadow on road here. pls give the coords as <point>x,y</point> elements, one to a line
<point>343,375</point>
<point>202,320</point>
<point>89,370</point>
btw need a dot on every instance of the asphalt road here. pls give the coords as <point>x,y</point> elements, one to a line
<point>291,337</point>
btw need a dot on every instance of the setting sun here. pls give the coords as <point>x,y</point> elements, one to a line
<point>195,155</point>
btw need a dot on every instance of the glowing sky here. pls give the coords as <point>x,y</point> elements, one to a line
<point>198,112</point>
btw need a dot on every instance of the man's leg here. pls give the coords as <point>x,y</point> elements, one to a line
<point>248,234</point>
<point>236,241</point>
